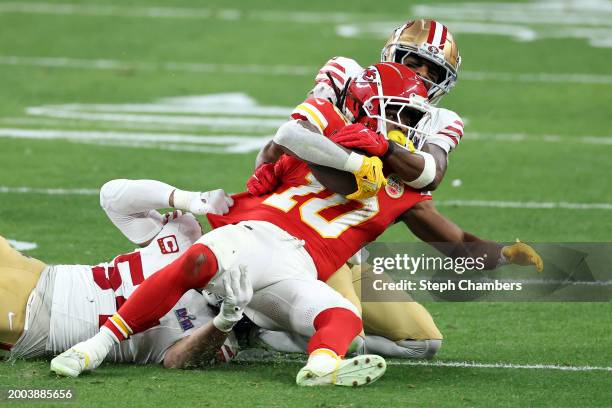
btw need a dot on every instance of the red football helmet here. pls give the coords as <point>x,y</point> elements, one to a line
<point>384,93</point>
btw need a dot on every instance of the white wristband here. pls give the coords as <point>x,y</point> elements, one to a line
<point>427,175</point>
<point>223,324</point>
<point>182,199</point>
<point>354,162</point>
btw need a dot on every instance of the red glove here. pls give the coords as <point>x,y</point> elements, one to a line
<point>263,180</point>
<point>357,136</point>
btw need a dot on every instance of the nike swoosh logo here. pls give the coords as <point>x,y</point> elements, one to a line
<point>10,318</point>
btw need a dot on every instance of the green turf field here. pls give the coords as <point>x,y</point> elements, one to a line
<point>86,92</point>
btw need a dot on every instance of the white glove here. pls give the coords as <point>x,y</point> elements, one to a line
<point>213,202</point>
<point>238,294</point>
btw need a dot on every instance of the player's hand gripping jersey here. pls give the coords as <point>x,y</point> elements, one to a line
<point>332,227</point>
<point>442,127</point>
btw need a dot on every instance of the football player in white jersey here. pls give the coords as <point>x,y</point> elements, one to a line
<point>428,48</point>
<point>46,309</point>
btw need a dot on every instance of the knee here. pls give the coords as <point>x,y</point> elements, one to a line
<point>198,266</point>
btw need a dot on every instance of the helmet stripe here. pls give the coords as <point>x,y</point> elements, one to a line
<point>443,40</point>
<point>432,32</point>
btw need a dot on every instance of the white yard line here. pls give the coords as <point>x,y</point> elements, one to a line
<point>221,123</point>
<point>271,70</point>
<point>48,191</point>
<point>294,16</point>
<point>526,204</point>
<point>22,245</point>
<point>468,203</point>
<point>451,364</point>
<point>471,364</point>
<point>54,134</point>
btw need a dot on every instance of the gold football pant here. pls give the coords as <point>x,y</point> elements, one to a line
<point>18,277</point>
<point>393,320</point>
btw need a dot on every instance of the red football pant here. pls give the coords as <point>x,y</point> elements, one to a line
<point>335,329</point>
<point>159,293</point>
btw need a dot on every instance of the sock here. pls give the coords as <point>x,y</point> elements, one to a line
<point>335,329</point>
<point>98,346</point>
<point>158,293</point>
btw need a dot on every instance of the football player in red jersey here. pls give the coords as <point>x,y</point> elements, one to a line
<point>410,323</point>
<point>286,240</point>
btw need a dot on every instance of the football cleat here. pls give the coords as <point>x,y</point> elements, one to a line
<point>74,361</point>
<point>352,372</point>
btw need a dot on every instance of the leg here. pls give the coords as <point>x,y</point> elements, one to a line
<point>311,308</point>
<point>18,277</point>
<point>408,325</point>
<point>216,251</point>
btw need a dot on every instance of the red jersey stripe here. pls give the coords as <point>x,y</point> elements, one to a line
<point>443,39</point>
<point>453,138</point>
<point>454,129</point>
<point>337,66</point>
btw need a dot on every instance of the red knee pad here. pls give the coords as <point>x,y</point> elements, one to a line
<point>198,265</point>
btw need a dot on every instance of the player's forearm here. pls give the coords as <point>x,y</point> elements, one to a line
<point>421,170</point>
<point>490,251</point>
<point>432,227</point>
<point>315,148</point>
<point>196,350</point>
<point>270,153</point>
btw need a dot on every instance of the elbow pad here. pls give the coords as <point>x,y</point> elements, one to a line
<point>428,174</point>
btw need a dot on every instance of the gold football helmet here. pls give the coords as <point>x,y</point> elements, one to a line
<point>431,40</point>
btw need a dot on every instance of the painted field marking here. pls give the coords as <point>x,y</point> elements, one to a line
<point>49,191</point>
<point>527,204</point>
<point>273,70</point>
<point>472,364</point>
<point>528,21</point>
<point>22,245</point>
<point>291,359</point>
<point>468,203</point>
<point>163,125</point>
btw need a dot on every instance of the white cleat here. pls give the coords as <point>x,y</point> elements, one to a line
<point>352,372</point>
<point>74,361</point>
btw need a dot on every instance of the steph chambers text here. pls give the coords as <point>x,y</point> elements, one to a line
<point>444,286</point>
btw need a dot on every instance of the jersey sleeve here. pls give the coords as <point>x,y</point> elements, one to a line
<point>131,206</point>
<point>447,130</point>
<point>321,113</point>
<point>340,70</point>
